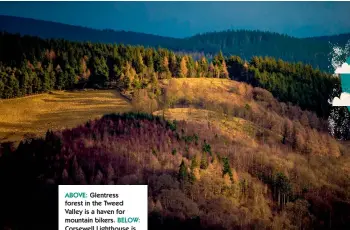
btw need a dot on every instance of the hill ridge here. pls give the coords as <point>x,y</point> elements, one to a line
<point>244,43</point>
<point>81,26</point>
<point>163,36</point>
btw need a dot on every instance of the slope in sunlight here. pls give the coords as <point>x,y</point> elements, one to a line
<point>34,115</point>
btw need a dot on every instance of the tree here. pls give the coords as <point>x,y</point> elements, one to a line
<point>128,77</point>
<point>287,126</point>
<point>164,69</point>
<point>183,68</point>
<point>71,77</point>
<point>218,59</point>
<point>61,80</point>
<point>224,73</point>
<point>101,71</point>
<point>173,65</point>
<point>149,61</point>
<point>298,141</point>
<point>2,87</point>
<point>45,79</point>
<point>155,89</point>
<point>204,161</point>
<point>282,189</point>
<point>211,70</point>
<point>84,72</point>
<point>194,165</point>
<point>139,65</point>
<point>190,67</point>
<point>304,120</point>
<point>226,168</point>
<point>203,67</point>
<point>216,71</point>
<point>183,175</point>
<point>13,87</point>
<point>299,213</point>
<point>235,68</point>
<point>78,173</point>
<point>206,148</point>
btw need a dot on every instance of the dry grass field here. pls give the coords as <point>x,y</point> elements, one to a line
<point>232,127</point>
<point>212,89</point>
<point>34,115</point>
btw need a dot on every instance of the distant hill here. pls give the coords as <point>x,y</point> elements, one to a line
<point>46,29</point>
<point>244,43</point>
<point>339,39</point>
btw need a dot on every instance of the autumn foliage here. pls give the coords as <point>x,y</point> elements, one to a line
<point>198,177</point>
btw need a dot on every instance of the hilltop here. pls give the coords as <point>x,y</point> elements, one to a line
<point>55,30</point>
<point>244,43</point>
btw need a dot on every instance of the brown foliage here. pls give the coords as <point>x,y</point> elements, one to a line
<point>50,54</point>
<point>142,102</point>
<point>139,150</point>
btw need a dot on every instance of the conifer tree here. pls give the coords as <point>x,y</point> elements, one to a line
<point>182,176</point>
<point>204,161</point>
<point>227,168</point>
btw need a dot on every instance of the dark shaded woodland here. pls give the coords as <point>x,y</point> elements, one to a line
<point>198,178</point>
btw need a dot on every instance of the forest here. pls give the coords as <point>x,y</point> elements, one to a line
<point>222,143</point>
<point>30,65</point>
<point>244,43</point>
<point>198,177</point>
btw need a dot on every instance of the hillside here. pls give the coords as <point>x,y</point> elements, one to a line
<point>235,158</point>
<point>239,100</point>
<point>314,51</point>
<point>30,65</point>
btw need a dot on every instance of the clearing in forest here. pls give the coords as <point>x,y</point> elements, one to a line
<point>33,115</point>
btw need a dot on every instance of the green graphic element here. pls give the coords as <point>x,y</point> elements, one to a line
<point>126,220</point>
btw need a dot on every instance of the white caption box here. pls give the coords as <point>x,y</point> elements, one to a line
<point>103,207</point>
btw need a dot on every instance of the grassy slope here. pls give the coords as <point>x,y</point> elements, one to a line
<point>34,115</point>
<point>209,93</point>
<point>232,127</point>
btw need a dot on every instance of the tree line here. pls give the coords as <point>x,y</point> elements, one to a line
<point>245,43</point>
<point>297,83</point>
<point>33,65</point>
